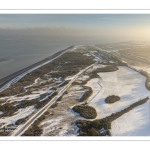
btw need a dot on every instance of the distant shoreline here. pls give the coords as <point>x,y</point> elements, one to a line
<point>10,77</point>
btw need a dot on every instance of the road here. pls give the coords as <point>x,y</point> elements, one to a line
<point>13,78</point>
<point>19,131</point>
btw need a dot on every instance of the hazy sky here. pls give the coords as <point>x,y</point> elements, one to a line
<point>87,25</point>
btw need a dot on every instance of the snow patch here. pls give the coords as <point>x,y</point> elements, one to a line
<point>134,123</point>
<point>87,54</point>
<point>21,113</point>
<point>1,112</point>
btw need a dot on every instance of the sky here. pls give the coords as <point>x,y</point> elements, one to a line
<point>130,26</point>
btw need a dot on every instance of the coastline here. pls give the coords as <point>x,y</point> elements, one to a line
<point>6,80</point>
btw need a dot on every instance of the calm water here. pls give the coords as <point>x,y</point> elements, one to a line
<point>24,51</point>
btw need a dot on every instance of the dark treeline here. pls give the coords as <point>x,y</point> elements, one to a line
<point>101,127</point>
<point>85,111</point>
<point>75,62</point>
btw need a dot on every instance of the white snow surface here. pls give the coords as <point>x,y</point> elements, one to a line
<point>96,66</point>
<point>52,125</point>
<point>130,86</point>
<point>144,68</point>
<point>87,54</point>
<point>34,95</point>
<point>134,123</point>
<point>82,78</point>
<point>76,88</point>
<point>1,112</point>
<point>21,113</point>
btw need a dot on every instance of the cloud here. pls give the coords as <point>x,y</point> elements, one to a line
<point>124,19</point>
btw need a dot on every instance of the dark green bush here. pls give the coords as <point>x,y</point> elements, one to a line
<point>86,94</point>
<point>93,132</point>
<point>35,129</point>
<point>85,111</point>
<point>112,99</point>
<point>54,105</point>
<point>44,102</point>
<point>96,123</point>
<point>92,127</point>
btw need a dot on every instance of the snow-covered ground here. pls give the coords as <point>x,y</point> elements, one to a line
<point>75,88</point>
<point>34,95</point>
<point>142,67</point>
<point>96,66</point>
<point>36,92</point>
<point>134,123</point>
<point>21,113</point>
<point>82,78</point>
<point>130,86</point>
<point>74,91</point>
<point>87,54</point>
<point>1,112</point>
<point>61,123</point>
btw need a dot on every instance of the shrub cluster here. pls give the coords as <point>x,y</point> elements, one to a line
<point>9,109</point>
<point>13,90</point>
<point>66,72</point>
<point>63,84</point>
<point>120,113</point>
<point>43,95</point>
<point>26,103</point>
<point>109,68</point>
<point>94,128</point>
<point>54,105</point>
<point>44,102</point>
<point>34,129</point>
<point>85,111</point>
<point>91,128</point>
<point>86,93</point>
<point>21,121</point>
<point>4,131</point>
<point>77,60</point>
<point>59,98</point>
<point>112,99</point>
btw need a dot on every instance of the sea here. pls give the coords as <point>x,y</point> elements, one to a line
<point>18,52</point>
